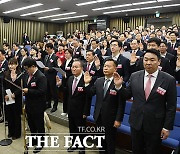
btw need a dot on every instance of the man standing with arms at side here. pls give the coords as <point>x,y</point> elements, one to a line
<point>35,86</point>
<point>154,105</point>
<point>109,108</point>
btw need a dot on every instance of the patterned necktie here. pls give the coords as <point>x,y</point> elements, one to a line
<point>74,85</point>
<point>106,86</point>
<point>148,87</point>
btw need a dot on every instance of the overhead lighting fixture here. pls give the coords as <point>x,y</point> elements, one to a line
<point>38,12</point>
<point>57,15</point>
<point>91,2</point>
<point>171,5</point>
<point>111,12</point>
<point>153,7</point>
<point>129,10</point>
<point>70,17</point>
<point>163,0</point>
<point>4,1</point>
<point>111,7</point>
<point>23,8</point>
<point>142,3</point>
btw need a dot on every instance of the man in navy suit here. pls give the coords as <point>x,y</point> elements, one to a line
<point>154,105</point>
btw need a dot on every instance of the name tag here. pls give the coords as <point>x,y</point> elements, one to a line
<point>113,92</point>
<point>51,60</point>
<point>161,91</point>
<point>77,53</point>
<point>80,89</point>
<point>33,84</point>
<point>119,66</point>
<point>92,72</point>
<point>175,48</point>
<point>124,47</point>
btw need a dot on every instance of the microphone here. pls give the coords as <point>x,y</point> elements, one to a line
<point>20,75</point>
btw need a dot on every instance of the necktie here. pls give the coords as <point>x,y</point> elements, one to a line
<point>106,86</point>
<point>87,69</point>
<point>29,79</point>
<point>148,87</point>
<point>74,85</point>
<point>0,64</point>
<point>172,45</point>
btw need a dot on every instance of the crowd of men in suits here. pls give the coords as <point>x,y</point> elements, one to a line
<point>101,63</point>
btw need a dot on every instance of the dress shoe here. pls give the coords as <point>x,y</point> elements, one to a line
<point>15,137</point>
<point>71,149</point>
<point>36,150</point>
<point>53,109</point>
<point>81,152</point>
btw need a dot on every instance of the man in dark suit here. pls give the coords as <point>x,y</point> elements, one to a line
<point>50,73</point>
<point>123,63</point>
<point>17,53</point>
<point>78,107</point>
<point>154,105</point>
<point>77,50</point>
<point>35,86</point>
<point>109,108</point>
<point>3,68</point>
<point>135,48</point>
<point>125,44</point>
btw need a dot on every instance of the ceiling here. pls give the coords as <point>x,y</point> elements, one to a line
<point>67,6</point>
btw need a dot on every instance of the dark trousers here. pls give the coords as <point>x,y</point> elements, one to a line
<point>74,123</point>
<point>145,143</point>
<point>14,120</point>
<point>65,100</point>
<point>108,145</point>
<point>36,124</point>
<point>52,93</point>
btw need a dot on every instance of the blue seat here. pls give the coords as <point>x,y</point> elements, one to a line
<point>178,102</point>
<point>178,91</point>
<point>174,138</point>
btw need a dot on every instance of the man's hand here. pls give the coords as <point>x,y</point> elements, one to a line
<point>25,90</point>
<point>84,116</point>
<point>118,80</point>
<point>13,96</point>
<point>6,98</point>
<point>164,134</point>
<point>117,124</point>
<point>133,57</point>
<point>87,77</point>
<point>97,62</point>
<point>46,68</point>
<point>58,81</point>
<point>59,62</point>
<point>178,61</point>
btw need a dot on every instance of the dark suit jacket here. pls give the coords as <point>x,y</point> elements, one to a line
<point>110,107</point>
<point>36,96</point>
<point>126,46</point>
<point>172,60</point>
<point>77,103</point>
<point>174,49</point>
<point>158,111</point>
<point>138,53</point>
<point>77,54</point>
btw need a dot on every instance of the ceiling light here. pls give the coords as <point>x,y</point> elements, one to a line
<point>23,8</point>
<point>111,12</point>
<point>171,5</point>
<point>163,0</point>
<point>70,17</point>
<point>140,3</point>
<point>130,10</point>
<point>153,7</point>
<point>111,7</point>
<point>91,2</point>
<point>49,10</point>
<point>4,1</point>
<point>57,15</point>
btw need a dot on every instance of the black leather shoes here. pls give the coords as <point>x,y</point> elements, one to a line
<point>71,149</point>
<point>36,150</point>
<point>53,109</point>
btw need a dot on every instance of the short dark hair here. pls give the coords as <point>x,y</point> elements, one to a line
<point>16,44</point>
<point>164,43</point>
<point>174,33</point>
<point>93,53</point>
<point>6,44</point>
<point>69,50</point>
<point>13,61</point>
<point>49,45</point>
<point>119,42</point>
<point>28,62</point>
<point>156,40</point>
<point>95,41</point>
<point>154,51</point>
<point>110,59</point>
<point>2,51</point>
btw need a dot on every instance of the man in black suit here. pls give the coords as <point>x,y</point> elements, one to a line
<point>50,73</point>
<point>154,105</point>
<point>17,53</point>
<point>109,108</point>
<point>78,106</point>
<point>35,86</point>
<point>163,51</point>
<point>3,68</point>
<point>123,64</point>
<point>77,50</point>
<point>135,48</point>
<point>125,44</point>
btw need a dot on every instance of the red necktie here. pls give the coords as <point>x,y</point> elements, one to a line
<point>87,69</point>
<point>74,85</point>
<point>148,87</point>
<point>29,79</point>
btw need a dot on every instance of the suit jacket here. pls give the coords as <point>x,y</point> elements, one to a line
<point>138,53</point>
<point>126,46</point>
<point>77,103</point>
<point>174,49</point>
<point>110,107</point>
<point>50,63</point>
<point>172,60</point>
<point>77,54</point>
<point>158,111</point>
<point>35,99</point>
